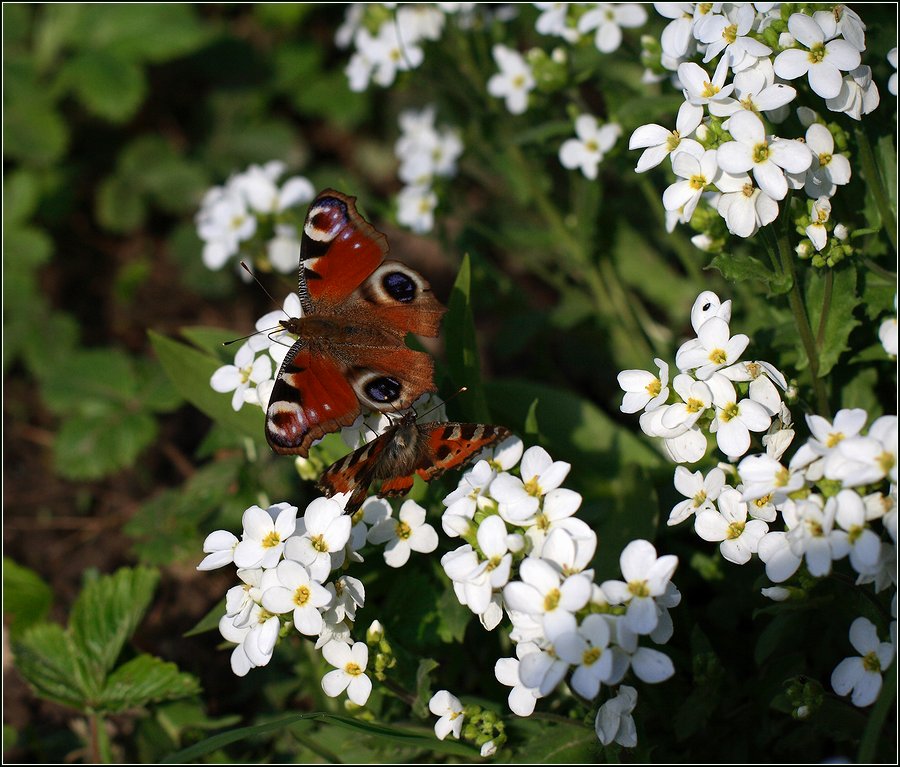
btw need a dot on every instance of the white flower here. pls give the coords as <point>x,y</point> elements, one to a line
<point>264,536</point>
<point>471,581</point>
<point>828,170</point>
<point>257,185</point>
<point>728,34</point>
<point>816,231</point>
<point>614,721</point>
<point>415,208</point>
<point>762,377</point>
<point>822,62</point>
<point>764,476</point>
<point>347,593</point>
<point>569,546</point>
<point>699,491</point>
<point>514,81</point>
<point>219,547</point>
<point>521,699</point>
<point>892,60</point>
<point>450,710</point>
<point>586,649</point>
<point>735,420</point>
<point>519,499</point>
<point>323,531</point>
<point>781,562</point>
<point>593,142</point>
<point>223,222</point>
<point>544,670</point>
<point>744,207</point>
<point>858,95</point>
<point>698,173</point>
<point>558,507</point>
<point>543,592</point>
<point>350,663</point>
<point>755,89</point>
<point>646,577</point>
<point>887,332</point>
<point>608,19</point>
<point>825,436</point>
<point>861,460</point>
<point>699,89</point>
<point>644,390</point>
<point>706,306</point>
<point>298,593</point>
<point>696,400</point>
<point>554,21</point>
<point>864,544</point>
<point>409,532</point>
<point>658,142</point>
<point>714,349</point>
<point>767,158</point>
<point>389,53</point>
<point>468,497</point>
<point>810,534</point>
<point>247,369</point>
<point>861,675</point>
<point>739,538</point>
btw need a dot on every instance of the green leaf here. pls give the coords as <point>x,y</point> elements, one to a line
<point>90,381</point>
<point>423,686</point>
<point>26,597</point>
<point>834,336</point>
<point>190,371</point>
<point>108,85</point>
<point>93,446</point>
<point>33,130</point>
<point>212,341</point>
<point>358,727</point>
<point>542,742</point>
<point>208,622</point>
<point>462,347</point>
<point>119,205</point>
<point>738,268</point>
<point>105,615</point>
<point>144,680</point>
<point>48,659</point>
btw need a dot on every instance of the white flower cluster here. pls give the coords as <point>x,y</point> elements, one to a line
<point>836,497</point>
<point>706,396</point>
<point>394,45</point>
<point>252,203</point>
<point>722,148</point>
<point>425,153</point>
<point>285,565</point>
<point>605,21</point>
<point>527,555</point>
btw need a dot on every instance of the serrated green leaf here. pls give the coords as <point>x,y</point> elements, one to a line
<point>423,686</point>
<point>834,336</point>
<point>144,680</point>
<point>108,85</point>
<point>93,446</point>
<point>26,597</point>
<point>554,743</point>
<point>48,659</point>
<point>105,615</point>
<point>739,267</point>
<point>190,371</point>
<point>462,347</point>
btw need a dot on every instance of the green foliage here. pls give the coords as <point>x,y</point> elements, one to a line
<point>26,597</point>
<point>76,666</point>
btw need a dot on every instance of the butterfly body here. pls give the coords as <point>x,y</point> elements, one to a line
<point>350,350</point>
<point>402,452</point>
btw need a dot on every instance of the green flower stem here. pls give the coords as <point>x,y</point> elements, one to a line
<point>875,724</point>
<point>795,298</point>
<point>885,274</point>
<point>99,746</point>
<point>876,184</point>
<point>826,307</point>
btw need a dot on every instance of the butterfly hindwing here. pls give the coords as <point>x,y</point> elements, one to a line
<point>405,450</point>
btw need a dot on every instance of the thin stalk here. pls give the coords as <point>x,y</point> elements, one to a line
<point>885,274</point>
<point>795,298</point>
<point>826,307</point>
<point>873,177</point>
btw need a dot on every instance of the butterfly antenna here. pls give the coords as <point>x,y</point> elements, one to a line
<point>249,271</point>
<point>455,394</point>
<point>244,338</point>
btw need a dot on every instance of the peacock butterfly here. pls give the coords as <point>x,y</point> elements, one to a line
<point>350,350</point>
<point>405,449</point>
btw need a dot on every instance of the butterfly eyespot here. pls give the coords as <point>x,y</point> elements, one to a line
<point>399,286</point>
<point>384,389</point>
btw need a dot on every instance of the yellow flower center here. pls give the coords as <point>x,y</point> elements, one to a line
<point>353,669</point>
<point>730,411</point>
<point>697,182</point>
<point>833,438</point>
<point>590,657</point>
<point>761,503</point>
<point>735,530</point>
<point>886,461</point>
<point>817,53</point>
<point>871,662</point>
<point>730,33</point>
<point>639,588</point>
<point>699,499</point>
<point>782,476</point>
<point>494,563</point>
<point>271,540</point>
<point>709,90</point>
<point>747,190</point>
<point>761,152</point>
<point>824,159</point>
<point>654,387</point>
<point>403,531</point>
<point>718,356</point>
<point>673,141</point>
<point>694,405</point>
<point>302,595</point>
<point>319,544</point>
<point>533,487</point>
<point>551,600</point>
